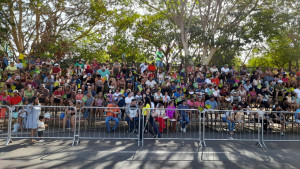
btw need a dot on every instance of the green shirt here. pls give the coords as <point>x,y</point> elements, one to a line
<point>159,55</point>
<point>81,65</point>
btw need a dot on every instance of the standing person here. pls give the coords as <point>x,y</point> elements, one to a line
<point>33,113</point>
<point>41,128</point>
<point>159,56</point>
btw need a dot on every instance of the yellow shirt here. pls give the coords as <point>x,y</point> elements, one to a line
<point>146,111</point>
<point>11,69</point>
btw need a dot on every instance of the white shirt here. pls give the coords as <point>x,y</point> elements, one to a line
<point>41,126</point>
<point>207,80</point>
<point>150,84</point>
<point>116,95</point>
<point>213,70</point>
<point>297,91</point>
<point>128,100</point>
<point>19,65</point>
<point>223,69</point>
<point>143,67</point>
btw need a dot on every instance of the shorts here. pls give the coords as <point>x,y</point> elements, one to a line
<point>240,120</point>
<point>56,100</point>
<point>40,133</point>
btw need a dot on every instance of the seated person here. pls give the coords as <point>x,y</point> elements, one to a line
<point>111,115</point>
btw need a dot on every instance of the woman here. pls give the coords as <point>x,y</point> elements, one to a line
<point>129,81</point>
<point>68,94</point>
<point>28,93</point>
<point>33,113</point>
<point>148,119</point>
<point>4,98</point>
<point>99,103</point>
<point>159,115</point>
<point>171,113</point>
<point>70,114</point>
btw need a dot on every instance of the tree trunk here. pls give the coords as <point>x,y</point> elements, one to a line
<point>207,57</point>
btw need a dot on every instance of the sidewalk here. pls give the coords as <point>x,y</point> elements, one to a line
<point>154,155</point>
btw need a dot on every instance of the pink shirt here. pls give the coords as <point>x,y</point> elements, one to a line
<point>79,96</point>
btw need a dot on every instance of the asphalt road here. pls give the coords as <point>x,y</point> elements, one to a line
<point>153,155</point>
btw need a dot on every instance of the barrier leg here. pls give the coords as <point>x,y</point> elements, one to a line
<point>9,140</point>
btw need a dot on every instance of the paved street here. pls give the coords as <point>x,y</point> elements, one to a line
<point>154,154</point>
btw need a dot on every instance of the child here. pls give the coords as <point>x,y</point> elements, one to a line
<point>79,97</point>
<point>239,118</point>
<point>41,127</point>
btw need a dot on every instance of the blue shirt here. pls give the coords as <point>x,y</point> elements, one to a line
<point>183,113</point>
<point>213,104</point>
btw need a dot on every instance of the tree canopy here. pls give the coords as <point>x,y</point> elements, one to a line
<point>265,32</point>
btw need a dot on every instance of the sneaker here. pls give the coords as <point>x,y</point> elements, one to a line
<point>282,133</point>
<point>230,138</point>
<point>40,141</point>
<point>181,129</point>
<point>287,122</point>
<point>184,130</point>
<point>131,132</point>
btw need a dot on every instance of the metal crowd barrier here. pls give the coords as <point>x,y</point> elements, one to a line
<point>95,125</point>
<point>60,125</point>
<point>283,128</point>
<point>216,126</point>
<point>4,120</point>
<point>176,128</point>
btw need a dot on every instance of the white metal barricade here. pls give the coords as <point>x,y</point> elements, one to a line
<point>99,123</point>
<point>158,125</point>
<point>239,125</point>
<point>24,120</point>
<point>281,126</point>
<point>4,120</point>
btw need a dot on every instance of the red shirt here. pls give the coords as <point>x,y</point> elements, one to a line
<point>151,68</point>
<point>216,81</point>
<point>56,70</point>
<point>59,93</point>
<point>89,71</point>
<point>15,100</point>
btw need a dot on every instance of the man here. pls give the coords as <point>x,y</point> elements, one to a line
<point>57,96</point>
<point>132,116</point>
<point>211,103</point>
<point>88,81</point>
<point>279,89</point>
<point>88,103</point>
<point>297,91</point>
<point>144,66</point>
<point>278,118</point>
<point>116,68</point>
<point>11,69</point>
<point>56,70</point>
<point>111,115</point>
<point>43,94</point>
<point>224,72</point>
<point>19,64</point>
<point>184,118</point>
<point>129,98</point>
<point>103,72</point>
<point>150,83</point>
<point>89,89</point>
<point>49,81</point>
<point>80,64</point>
<point>159,56</point>
<point>16,99</point>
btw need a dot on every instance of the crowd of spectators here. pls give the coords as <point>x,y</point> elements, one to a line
<point>155,85</point>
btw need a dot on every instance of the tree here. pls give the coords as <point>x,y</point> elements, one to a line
<point>37,27</point>
<point>219,22</point>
